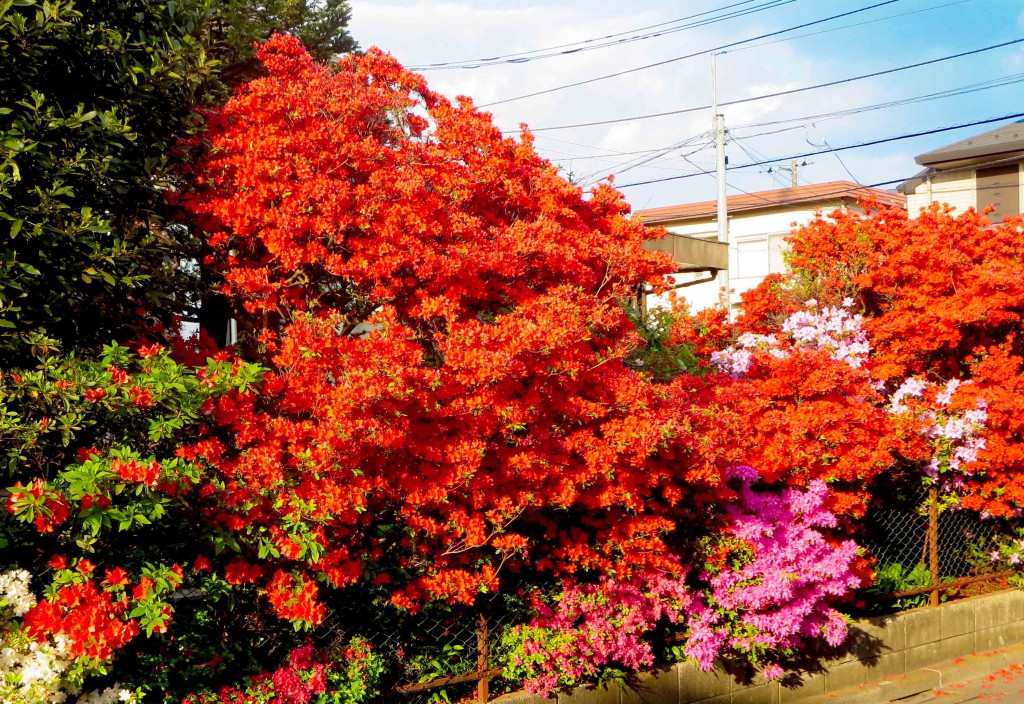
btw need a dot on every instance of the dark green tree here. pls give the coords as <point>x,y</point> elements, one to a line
<point>320,24</point>
<point>95,99</point>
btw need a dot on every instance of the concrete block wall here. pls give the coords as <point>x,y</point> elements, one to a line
<point>879,648</point>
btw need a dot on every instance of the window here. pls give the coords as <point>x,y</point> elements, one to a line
<point>752,258</point>
<point>777,247</point>
<point>999,186</point>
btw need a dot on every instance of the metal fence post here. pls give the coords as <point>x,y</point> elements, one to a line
<point>933,542</point>
<point>482,636</point>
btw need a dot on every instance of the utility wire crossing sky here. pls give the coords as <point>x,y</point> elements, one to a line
<point>865,72</point>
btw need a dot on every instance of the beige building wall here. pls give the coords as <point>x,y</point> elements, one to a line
<point>957,188</point>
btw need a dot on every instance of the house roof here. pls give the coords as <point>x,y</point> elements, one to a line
<point>1003,140</point>
<point>828,192</point>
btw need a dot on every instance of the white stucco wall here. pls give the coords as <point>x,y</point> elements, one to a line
<point>756,245</point>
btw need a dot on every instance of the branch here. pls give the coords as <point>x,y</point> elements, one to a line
<point>461,546</point>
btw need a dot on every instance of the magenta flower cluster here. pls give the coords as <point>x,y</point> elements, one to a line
<point>771,595</point>
<point>591,627</point>
<point>781,596</point>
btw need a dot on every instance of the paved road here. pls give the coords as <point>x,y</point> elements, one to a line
<point>1005,686</point>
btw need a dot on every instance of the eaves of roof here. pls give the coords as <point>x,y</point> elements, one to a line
<point>999,142</point>
<point>814,194</point>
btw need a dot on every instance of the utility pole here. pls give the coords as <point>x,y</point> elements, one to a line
<point>792,173</point>
<point>718,130</point>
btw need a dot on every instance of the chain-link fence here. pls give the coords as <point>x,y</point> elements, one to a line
<point>923,552</point>
<point>440,654</point>
<point>926,551</point>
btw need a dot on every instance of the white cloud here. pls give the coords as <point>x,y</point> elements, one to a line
<point>424,31</point>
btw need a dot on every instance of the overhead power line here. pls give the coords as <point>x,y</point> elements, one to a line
<point>851,25</point>
<point>705,52</point>
<point>662,153</point>
<point>610,156</point>
<point>595,39</point>
<point>801,122</point>
<point>705,172</point>
<point>753,155</point>
<point>642,161</point>
<point>845,167</point>
<point>859,145</point>
<point>825,116</point>
<point>608,41</point>
<point>588,146</point>
<point>778,94</point>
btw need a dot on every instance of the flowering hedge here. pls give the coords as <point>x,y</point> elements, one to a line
<point>442,391</point>
<point>941,294</point>
<point>764,589</point>
<point>41,667</point>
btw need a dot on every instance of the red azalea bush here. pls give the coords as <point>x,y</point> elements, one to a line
<point>441,315</point>
<point>942,295</point>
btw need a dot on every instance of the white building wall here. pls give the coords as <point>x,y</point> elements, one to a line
<point>756,247</point>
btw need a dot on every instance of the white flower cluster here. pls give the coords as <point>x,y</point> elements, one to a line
<point>957,437</point>
<point>737,360</point>
<point>111,695</point>
<point>831,329</point>
<point>32,672</point>
<point>914,387</point>
<point>14,592</point>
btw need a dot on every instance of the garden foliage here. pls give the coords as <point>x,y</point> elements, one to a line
<point>443,390</point>
<point>95,96</point>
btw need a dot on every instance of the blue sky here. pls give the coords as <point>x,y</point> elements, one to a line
<point>906,31</point>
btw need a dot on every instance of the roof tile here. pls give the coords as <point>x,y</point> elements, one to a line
<point>779,197</point>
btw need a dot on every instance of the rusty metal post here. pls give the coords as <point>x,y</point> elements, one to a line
<point>482,636</point>
<point>933,542</point>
